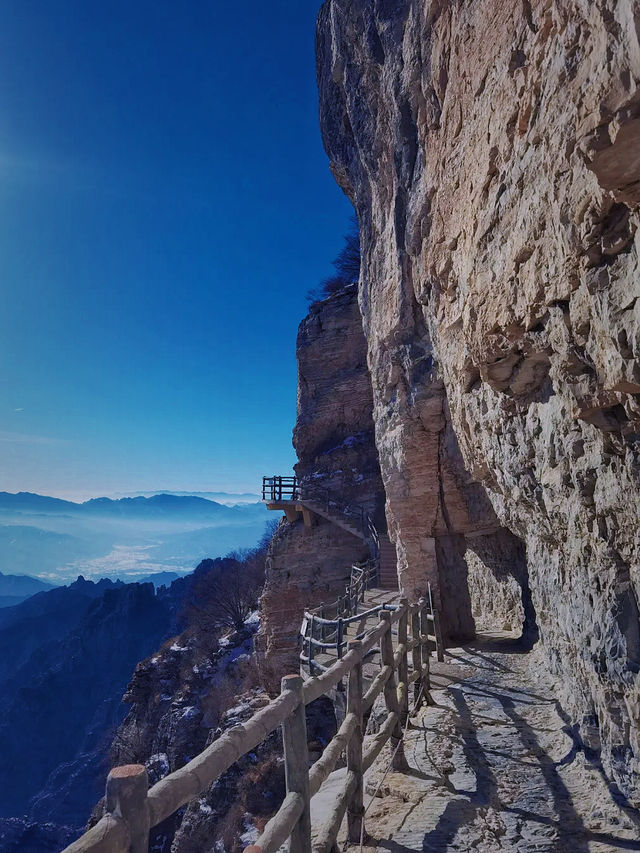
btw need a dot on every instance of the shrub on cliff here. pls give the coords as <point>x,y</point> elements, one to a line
<point>346,265</point>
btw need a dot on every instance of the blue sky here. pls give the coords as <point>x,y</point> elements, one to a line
<point>165,205</point>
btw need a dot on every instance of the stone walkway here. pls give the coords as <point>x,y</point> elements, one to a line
<point>493,767</point>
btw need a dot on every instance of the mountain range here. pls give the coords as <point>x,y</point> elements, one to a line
<point>130,537</point>
<point>140,506</point>
<point>16,588</point>
<point>66,655</point>
<point>229,498</point>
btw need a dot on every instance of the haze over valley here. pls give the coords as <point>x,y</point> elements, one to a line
<point>129,538</point>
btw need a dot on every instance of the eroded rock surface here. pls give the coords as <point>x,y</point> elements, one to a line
<point>334,441</point>
<point>494,766</point>
<point>334,436</point>
<point>491,152</point>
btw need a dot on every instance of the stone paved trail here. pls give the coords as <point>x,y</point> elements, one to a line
<point>493,767</point>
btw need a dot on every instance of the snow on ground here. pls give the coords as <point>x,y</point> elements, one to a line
<point>250,834</point>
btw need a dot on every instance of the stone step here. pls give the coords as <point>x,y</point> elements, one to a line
<point>388,573</point>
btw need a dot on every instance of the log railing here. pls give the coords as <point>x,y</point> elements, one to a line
<point>324,631</point>
<point>132,810</point>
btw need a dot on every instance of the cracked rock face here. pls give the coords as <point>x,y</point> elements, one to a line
<point>333,436</point>
<point>334,441</point>
<point>492,153</point>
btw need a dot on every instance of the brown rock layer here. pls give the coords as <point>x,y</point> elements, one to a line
<point>491,151</point>
<point>334,436</point>
<point>334,440</point>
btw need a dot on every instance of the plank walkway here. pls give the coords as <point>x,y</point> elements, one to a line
<point>493,767</point>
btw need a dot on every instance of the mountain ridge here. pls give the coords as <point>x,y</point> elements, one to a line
<point>32,501</point>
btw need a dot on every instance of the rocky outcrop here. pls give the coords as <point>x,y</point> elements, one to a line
<point>334,441</point>
<point>180,700</point>
<point>334,435</point>
<point>491,152</point>
<point>67,655</point>
<point>183,698</point>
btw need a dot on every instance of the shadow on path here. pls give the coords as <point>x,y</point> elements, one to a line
<point>461,811</point>
<point>535,795</point>
<point>570,826</point>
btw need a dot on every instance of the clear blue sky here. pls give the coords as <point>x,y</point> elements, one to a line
<point>165,205</point>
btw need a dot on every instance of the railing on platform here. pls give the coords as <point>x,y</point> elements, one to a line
<point>132,810</point>
<point>278,489</point>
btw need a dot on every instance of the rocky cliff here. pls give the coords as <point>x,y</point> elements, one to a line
<point>183,697</point>
<point>492,152</point>
<point>67,655</point>
<point>334,441</point>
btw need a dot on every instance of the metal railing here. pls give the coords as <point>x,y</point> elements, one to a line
<point>324,630</point>
<point>276,489</point>
<point>132,809</point>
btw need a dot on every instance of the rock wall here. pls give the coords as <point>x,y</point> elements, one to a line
<point>334,441</point>
<point>492,152</point>
<point>334,437</point>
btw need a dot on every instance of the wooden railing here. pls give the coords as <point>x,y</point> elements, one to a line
<point>132,810</point>
<point>324,630</point>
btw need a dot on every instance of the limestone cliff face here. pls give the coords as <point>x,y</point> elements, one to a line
<point>333,436</point>
<point>334,441</point>
<point>492,151</point>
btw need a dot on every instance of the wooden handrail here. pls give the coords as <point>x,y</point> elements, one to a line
<point>132,810</point>
<point>323,634</point>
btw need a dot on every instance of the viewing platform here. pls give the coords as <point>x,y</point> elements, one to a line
<point>289,495</point>
<point>286,494</point>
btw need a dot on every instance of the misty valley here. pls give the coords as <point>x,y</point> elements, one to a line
<point>87,592</point>
<point>127,538</point>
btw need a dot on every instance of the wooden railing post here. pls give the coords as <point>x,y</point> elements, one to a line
<point>355,808</point>
<point>403,668</point>
<point>296,765</point>
<point>437,629</point>
<point>310,644</point>
<point>391,691</point>
<point>339,635</point>
<point>416,656</point>
<point>126,797</point>
<point>426,650</point>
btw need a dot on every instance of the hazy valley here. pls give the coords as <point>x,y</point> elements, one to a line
<point>129,538</point>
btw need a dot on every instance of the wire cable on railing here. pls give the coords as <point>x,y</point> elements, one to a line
<point>386,772</point>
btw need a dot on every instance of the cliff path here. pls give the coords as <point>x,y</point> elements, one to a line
<point>493,766</point>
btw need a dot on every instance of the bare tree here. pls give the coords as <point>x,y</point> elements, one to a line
<point>226,590</point>
<point>346,265</point>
